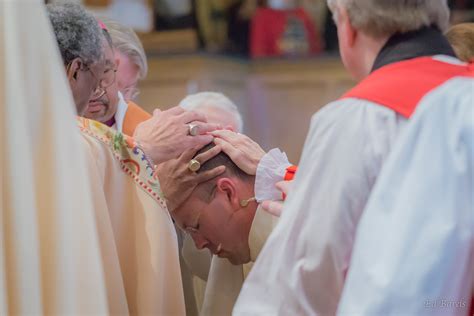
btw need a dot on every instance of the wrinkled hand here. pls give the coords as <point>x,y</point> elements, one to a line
<point>178,182</point>
<point>166,135</point>
<point>275,207</point>
<point>243,151</point>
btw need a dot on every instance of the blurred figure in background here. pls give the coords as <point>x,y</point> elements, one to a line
<point>217,107</point>
<point>283,28</point>
<point>461,37</point>
<point>131,57</point>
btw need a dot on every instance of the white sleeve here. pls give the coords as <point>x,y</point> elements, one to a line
<point>270,170</point>
<point>302,266</point>
<point>414,252</point>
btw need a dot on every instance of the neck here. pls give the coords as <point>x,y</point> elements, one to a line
<point>371,48</point>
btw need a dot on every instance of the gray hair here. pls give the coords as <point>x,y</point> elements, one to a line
<point>213,100</point>
<point>77,32</point>
<point>128,43</point>
<point>380,18</point>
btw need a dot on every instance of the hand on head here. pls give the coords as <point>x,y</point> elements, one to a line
<point>166,135</point>
<point>243,151</point>
<point>177,181</point>
<point>275,207</point>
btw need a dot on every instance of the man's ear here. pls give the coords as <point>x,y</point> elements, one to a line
<point>345,23</point>
<point>227,187</point>
<point>73,69</point>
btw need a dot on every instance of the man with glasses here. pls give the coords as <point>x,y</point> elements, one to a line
<point>114,107</point>
<point>137,238</point>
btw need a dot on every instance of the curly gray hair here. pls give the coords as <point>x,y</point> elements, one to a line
<point>77,32</point>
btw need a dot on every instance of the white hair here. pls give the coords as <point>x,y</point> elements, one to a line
<point>381,18</point>
<point>214,100</point>
<point>127,42</point>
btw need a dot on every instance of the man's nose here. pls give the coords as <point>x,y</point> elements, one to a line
<point>200,241</point>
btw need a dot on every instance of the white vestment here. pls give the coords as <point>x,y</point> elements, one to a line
<point>119,116</point>
<point>301,268</point>
<point>50,261</point>
<point>414,251</point>
<point>303,265</point>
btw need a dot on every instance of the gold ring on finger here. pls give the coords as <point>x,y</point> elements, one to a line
<point>194,165</point>
<point>193,129</point>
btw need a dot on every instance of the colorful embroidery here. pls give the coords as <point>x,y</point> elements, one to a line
<point>132,158</point>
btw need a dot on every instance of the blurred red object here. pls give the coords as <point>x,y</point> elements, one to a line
<point>283,33</point>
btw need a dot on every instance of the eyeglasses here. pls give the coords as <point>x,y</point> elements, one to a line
<point>107,78</point>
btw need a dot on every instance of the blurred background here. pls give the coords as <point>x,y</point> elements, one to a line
<point>276,59</point>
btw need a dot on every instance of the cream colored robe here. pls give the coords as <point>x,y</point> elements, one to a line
<point>77,235</point>
<point>137,237</point>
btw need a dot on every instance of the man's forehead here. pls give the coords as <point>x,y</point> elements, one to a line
<point>187,212</point>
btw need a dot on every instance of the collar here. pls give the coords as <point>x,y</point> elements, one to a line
<point>110,122</point>
<point>427,41</point>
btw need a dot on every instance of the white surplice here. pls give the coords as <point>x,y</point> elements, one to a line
<point>50,260</point>
<point>414,251</point>
<point>302,266</point>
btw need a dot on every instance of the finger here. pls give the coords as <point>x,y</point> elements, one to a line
<point>284,186</point>
<point>208,154</point>
<point>228,136</point>
<point>191,116</point>
<point>156,112</point>
<point>226,147</point>
<point>188,154</point>
<point>204,128</point>
<point>273,207</point>
<point>210,174</point>
<point>176,110</point>
<point>200,141</point>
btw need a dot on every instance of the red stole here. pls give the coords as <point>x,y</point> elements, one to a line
<point>400,86</point>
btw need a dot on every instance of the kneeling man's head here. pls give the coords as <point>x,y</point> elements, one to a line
<point>216,214</point>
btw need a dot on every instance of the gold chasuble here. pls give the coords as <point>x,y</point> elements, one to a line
<point>83,227</point>
<point>138,240</point>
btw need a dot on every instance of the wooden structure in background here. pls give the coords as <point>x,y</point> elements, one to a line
<point>276,97</point>
<point>97,3</point>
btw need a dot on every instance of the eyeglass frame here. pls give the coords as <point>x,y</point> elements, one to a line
<point>100,87</point>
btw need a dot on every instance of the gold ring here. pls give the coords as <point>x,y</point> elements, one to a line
<point>193,129</point>
<point>194,165</point>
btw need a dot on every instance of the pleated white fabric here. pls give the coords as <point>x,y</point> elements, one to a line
<point>414,251</point>
<point>50,261</point>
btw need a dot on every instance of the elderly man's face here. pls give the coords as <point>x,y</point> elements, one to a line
<point>84,80</point>
<point>220,224</point>
<point>103,109</point>
<point>127,76</point>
